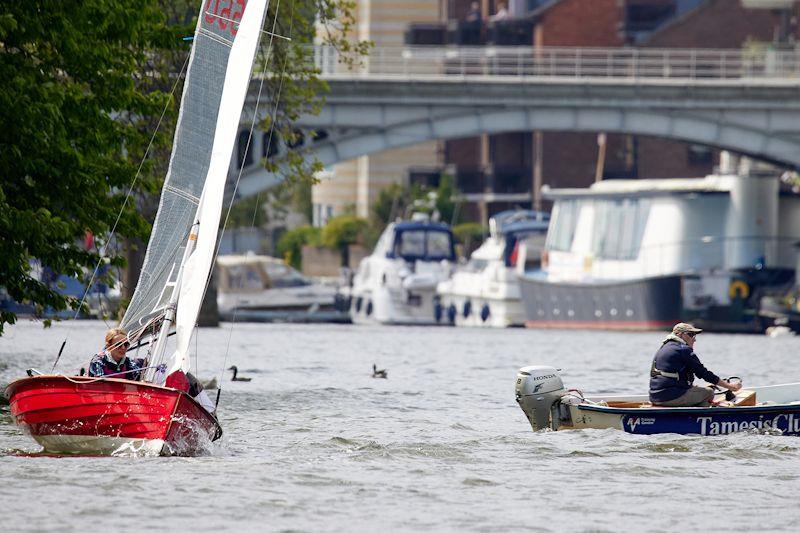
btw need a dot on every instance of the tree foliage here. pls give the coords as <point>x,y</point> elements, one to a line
<point>343,230</point>
<point>75,115</point>
<point>290,75</point>
<point>290,245</point>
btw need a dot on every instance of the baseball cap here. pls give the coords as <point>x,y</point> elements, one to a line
<point>683,327</point>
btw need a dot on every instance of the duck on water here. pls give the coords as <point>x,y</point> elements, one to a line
<point>236,376</point>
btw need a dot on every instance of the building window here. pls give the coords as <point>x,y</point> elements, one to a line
<point>244,154</point>
<point>698,154</point>
<point>269,146</point>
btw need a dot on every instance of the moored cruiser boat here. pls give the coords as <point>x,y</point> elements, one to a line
<point>645,254</point>
<point>541,395</point>
<point>264,289</point>
<point>396,284</point>
<point>486,291</point>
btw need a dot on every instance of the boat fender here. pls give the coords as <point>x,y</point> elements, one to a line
<point>369,308</point>
<point>738,289</point>
<point>178,380</point>
<point>358,303</point>
<point>451,314</point>
<point>485,312</point>
<point>467,309</point>
<point>437,309</point>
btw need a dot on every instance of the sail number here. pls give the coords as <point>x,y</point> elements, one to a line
<point>226,13</point>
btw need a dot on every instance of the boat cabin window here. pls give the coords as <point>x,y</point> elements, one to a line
<point>440,245</point>
<point>619,227</point>
<point>245,277</point>
<point>428,245</point>
<point>562,225</point>
<point>283,276</point>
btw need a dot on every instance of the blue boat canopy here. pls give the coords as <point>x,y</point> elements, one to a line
<point>422,241</point>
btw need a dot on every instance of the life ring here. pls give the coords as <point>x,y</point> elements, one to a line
<point>738,289</point>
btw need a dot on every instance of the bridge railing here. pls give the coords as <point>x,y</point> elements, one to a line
<point>415,62</point>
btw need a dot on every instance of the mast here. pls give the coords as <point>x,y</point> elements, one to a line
<point>152,374</point>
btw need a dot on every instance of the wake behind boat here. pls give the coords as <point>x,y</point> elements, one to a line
<point>110,414</point>
<point>547,404</point>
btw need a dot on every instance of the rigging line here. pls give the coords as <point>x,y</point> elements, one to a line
<point>125,202</point>
<point>269,141</point>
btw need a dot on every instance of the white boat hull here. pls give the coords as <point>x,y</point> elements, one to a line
<point>81,444</point>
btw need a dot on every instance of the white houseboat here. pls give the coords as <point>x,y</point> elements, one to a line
<point>486,292</point>
<point>645,254</point>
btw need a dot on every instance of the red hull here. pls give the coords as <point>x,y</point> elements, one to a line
<point>59,411</point>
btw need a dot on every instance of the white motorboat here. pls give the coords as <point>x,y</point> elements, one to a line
<point>486,292</point>
<point>549,406</point>
<point>263,289</point>
<point>396,284</point>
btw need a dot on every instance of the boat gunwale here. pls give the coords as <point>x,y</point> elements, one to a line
<point>687,410</point>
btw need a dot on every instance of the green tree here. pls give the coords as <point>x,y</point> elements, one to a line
<point>343,230</point>
<point>74,114</point>
<point>290,245</point>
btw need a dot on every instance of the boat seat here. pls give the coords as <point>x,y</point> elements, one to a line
<point>744,398</point>
<point>629,405</point>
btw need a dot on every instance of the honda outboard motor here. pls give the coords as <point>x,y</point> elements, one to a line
<point>539,390</point>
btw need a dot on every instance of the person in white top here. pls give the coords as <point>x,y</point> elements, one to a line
<point>502,12</point>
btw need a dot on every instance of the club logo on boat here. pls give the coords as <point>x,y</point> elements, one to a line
<point>640,421</point>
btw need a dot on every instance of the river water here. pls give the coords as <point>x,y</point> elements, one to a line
<point>314,443</point>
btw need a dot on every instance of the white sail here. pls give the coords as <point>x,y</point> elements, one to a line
<point>195,139</point>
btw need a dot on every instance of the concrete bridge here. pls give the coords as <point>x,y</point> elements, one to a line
<point>746,102</point>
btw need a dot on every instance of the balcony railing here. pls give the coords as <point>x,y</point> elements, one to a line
<point>420,62</point>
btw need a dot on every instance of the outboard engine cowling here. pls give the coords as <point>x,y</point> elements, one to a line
<point>538,389</point>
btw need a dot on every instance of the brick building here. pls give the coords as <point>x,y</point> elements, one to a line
<point>508,168</point>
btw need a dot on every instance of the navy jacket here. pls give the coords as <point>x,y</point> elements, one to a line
<point>102,365</point>
<point>679,358</point>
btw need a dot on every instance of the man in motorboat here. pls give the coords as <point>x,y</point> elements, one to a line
<point>113,360</point>
<point>674,367</point>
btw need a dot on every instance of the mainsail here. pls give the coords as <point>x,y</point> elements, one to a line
<point>213,96</point>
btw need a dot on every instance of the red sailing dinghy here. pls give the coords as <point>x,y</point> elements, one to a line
<point>111,415</point>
